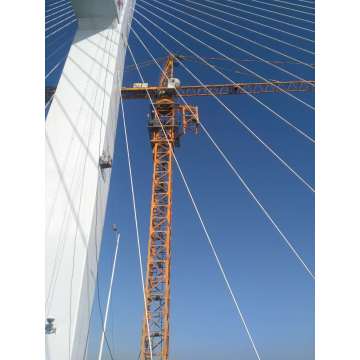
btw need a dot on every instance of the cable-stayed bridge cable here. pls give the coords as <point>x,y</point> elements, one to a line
<point>49,5</point>
<point>270,11</point>
<point>57,50</point>
<point>55,42</point>
<point>283,7</point>
<point>252,21</point>
<point>55,18</point>
<point>63,27</point>
<point>204,227</point>
<point>299,5</point>
<point>243,182</point>
<point>228,43</point>
<point>67,4</point>
<point>247,39</point>
<point>226,107</point>
<point>49,101</point>
<point>266,213</point>
<point>56,13</point>
<point>262,16</point>
<point>221,53</point>
<point>109,298</point>
<point>61,62</point>
<point>252,96</point>
<point>244,27</point>
<point>136,220</point>
<point>60,22</point>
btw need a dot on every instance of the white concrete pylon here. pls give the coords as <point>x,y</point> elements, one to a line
<point>80,128</point>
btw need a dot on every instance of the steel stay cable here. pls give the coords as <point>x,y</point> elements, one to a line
<point>108,301</point>
<point>227,108</point>
<point>203,226</point>
<point>244,27</point>
<point>55,18</point>
<point>252,21</point>
<point>59,22</point>
<point>57,50</point>
<point>223,68</point>
<point>222,54</point>
<point>99,302</point>
<point>283,7</point>
<point>49,101</point>
<point>195,60</point>
<point>56,31</point>
<point>61,62</point>
<point>57,7</point>
<point>247,39</point>
<point>61,12</point>
<point>271,11</point>
<point>262,16</point>
<point>49,5</point>
<point>266,213</point>
<point>253,97</point>
<point>299,5</point>
<point>54,42</point>
<point>230,44</point>
<point>136,221</point>
<point>212,58</point>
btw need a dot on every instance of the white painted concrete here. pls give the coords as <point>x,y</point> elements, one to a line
<point>80,127</point>
<point>94,8</point>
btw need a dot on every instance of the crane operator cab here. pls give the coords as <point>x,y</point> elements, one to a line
<point>164,118</point>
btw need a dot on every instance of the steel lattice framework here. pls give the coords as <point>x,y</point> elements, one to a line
<point>221,89</point>
<point>165,130</point>
<point>213,89</point>
<point>157,287</point>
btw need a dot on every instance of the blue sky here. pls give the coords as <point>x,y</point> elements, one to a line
<point>275,293</point>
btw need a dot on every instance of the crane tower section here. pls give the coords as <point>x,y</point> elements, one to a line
<point>168,121</point>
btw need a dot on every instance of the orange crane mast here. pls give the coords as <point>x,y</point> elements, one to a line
<point>163,138</point>
<point>175,119</point>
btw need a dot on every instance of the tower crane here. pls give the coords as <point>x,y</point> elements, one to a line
<point>167,123</point>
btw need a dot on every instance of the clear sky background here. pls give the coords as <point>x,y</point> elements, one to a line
<point>274,291</point>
